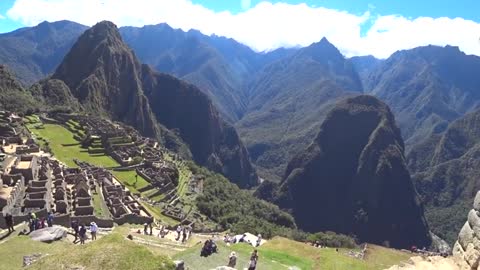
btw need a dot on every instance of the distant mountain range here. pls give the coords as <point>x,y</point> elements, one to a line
<point>277,101</point>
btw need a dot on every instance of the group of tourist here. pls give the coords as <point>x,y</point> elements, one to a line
<point>252,264</point>
<point>183,232</point>
<point>242,239</point>
<point>209,247</point>
<point>80,231</point>
<point>36,223</point>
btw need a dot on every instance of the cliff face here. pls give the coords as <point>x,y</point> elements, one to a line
<point>104,75</point>
<point>353,178</point>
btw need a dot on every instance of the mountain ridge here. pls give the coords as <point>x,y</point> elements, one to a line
<point>103,73</point>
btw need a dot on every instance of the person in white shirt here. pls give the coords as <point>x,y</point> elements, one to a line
<point>93,230</point>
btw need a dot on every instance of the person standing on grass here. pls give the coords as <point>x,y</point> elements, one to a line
<point>50,219</point>
<point>253,260</point>
<point>184,234</point>
<point>9,222</point>
<point>232,259</point>
<point>74,225</point>
<point>179,232</point>
<point>93,230</point>
<point>83,234</point>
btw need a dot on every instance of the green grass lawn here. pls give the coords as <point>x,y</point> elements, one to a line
<point>268,260</point>
<point>65,148</point>
<point>328,258</point>
<point>157,214</point>
<point>99,206</point>
<point>113,251</point>
<point>128,179</point>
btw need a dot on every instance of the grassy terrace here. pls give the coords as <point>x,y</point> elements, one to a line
<point>280,253</point>
<point>65,148</point>
<point>109,252</point>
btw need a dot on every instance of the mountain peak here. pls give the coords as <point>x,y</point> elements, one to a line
<point>353,169</point>
<point>104,29</point>
<point>323,50</point>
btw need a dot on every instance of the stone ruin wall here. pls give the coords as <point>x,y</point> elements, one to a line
<point>467,248</point>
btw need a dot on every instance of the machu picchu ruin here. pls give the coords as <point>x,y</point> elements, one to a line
<point>36,181</point>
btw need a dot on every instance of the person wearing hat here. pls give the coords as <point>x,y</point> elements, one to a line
<point>93,230</point>
<point>232,259</point>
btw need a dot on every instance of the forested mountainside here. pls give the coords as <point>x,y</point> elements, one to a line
<point>354,173</point>
<point>447,171</point>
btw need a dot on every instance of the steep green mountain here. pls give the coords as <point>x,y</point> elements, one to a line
<point>447,167</point>
<point>288,100</point>
<point>353,178</point>
<point>12,95</point>
<point>220,67</point>
<point>106,78</point>
<point>427,88</point>
<point>34,52</point>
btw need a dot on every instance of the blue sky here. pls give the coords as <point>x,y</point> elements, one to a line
<point>356,27</point>
<point>467,9</point>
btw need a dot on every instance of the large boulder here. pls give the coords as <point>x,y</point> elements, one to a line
<point>49,234</point>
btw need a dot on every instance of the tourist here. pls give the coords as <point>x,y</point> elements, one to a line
<point>93,230</point>
<point>32,221</point>
<point>50,219</point>
<point>232,259</point>
<point>151,228</point>
<point>259,240</point>
<point>226,239</point>
<point>243,238</point>
<point>179,231</point>
<point>184,235</point>
<point>42,223</point>
<point>9,222</point>
<point>145,228</point>
<point>74,226</point>
<point>83,234</point>
<point>252,265</point>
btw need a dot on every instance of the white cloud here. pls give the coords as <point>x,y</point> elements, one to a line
<point>265,26</point>
<point>246,4</point>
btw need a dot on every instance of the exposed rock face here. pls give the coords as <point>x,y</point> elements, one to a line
<point>467,248</point>
<point>353,178</point>
<point>104,75</point>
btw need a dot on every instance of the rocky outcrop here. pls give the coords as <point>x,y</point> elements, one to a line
<point>49,234</point>
<point>353,179</point>
<point>106,78</point>
<point>467,247</point>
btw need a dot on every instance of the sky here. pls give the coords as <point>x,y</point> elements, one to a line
<point>356,27</point>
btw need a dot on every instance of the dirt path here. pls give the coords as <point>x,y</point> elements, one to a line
<point>428,263</point>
